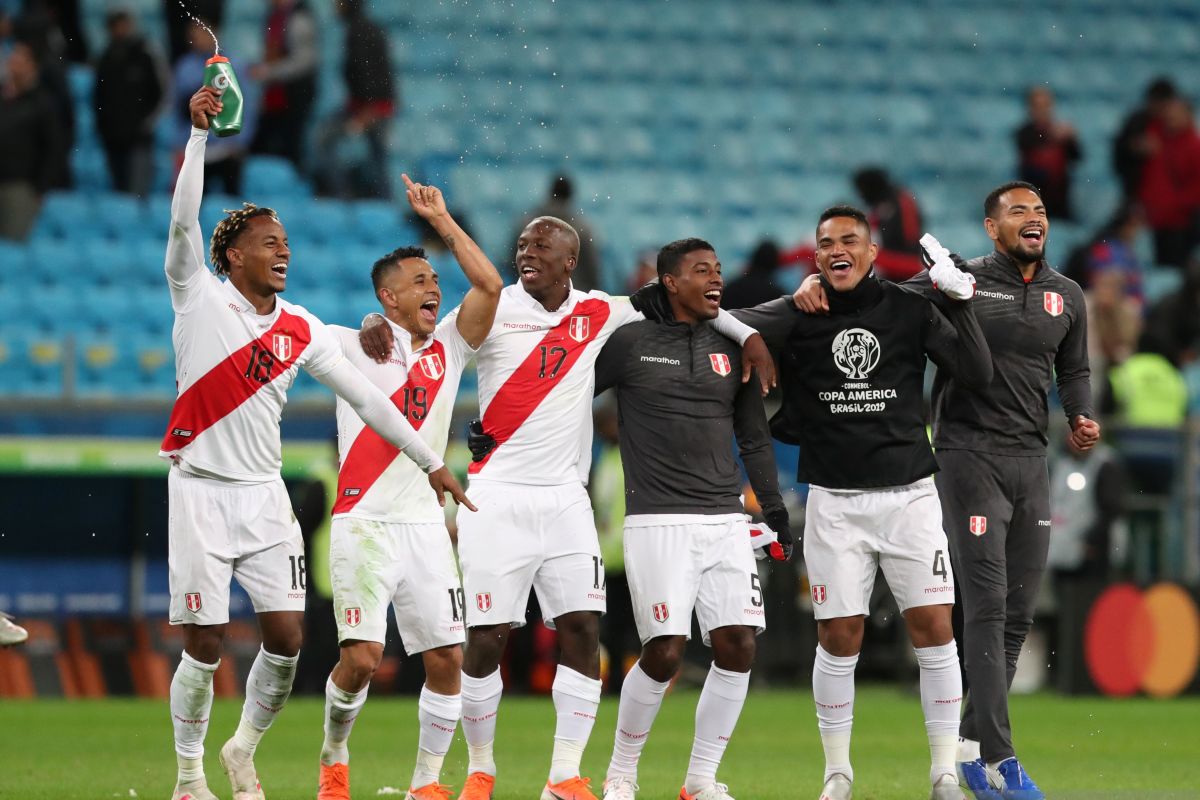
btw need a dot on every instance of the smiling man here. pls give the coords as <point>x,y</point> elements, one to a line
<point>687,546</point>
<point>991,442</point>
<point>536,381</point>
<point>389,542</point>
<point>852,399</point>
<point>238,347</point>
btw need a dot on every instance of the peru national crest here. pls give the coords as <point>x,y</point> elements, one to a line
<point>720,363</point>
<point>281,346</point>
<point>483,601</point>
<point>1053,303</point>
<point>978,525</point>
<point>579,328</point>
<point>353,617</point>
<point>661,613</point>
<point>192,600</point>
<point>432,366</point>
<point>819,594</point>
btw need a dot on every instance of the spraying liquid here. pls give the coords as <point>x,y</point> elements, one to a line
<point>200,22</point>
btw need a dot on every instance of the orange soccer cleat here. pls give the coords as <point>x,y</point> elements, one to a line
<point>479,786</point>
<point>430,791</point>
<point>335,782</point>
<point>571,789</point>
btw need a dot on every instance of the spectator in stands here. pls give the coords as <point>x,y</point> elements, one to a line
<point>289,77</point>
<point>38,28</point>
<point>1114,321</point>
<point>1132,146</point>
<point>1113,248</point>
<point>559,203</point>
<point>30,140</point>
<point>224,158</point>
<point>644,271</point>
<point>1170,187</point>
<point>130,87</point>
<point>370,104</point>
<point>892,210</point>
<point>757,282</point>
<point>1173,323</point>
<point>1147,390</point>
<point>1047,149</point>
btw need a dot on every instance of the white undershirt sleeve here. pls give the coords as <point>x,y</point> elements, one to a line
<point>370,403</point>
<point>185,244</point>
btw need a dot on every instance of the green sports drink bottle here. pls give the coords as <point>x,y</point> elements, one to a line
<point>218,73</point>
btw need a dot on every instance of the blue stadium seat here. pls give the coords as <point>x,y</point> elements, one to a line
<point>271,175</point>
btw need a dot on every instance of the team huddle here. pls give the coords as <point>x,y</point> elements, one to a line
<point>689,379</point>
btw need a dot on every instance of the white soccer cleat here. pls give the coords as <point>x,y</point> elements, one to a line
<point>717,791</point>
<point>196,790</point>
<point>838,787</point>
<point>947,788</point>
<point>10,632</point>
<point>620,788</point>
<point>242,776</point>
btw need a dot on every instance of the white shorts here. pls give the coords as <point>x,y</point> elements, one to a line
<point>849,535</point>
<point>679,562</point>
<point>542,537</point>
<point>410,565</point>
<point>217,531</point>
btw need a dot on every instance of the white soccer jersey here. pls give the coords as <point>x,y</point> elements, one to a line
<point>375,481</point>
<point>536,379</point>
<point>233,368</point>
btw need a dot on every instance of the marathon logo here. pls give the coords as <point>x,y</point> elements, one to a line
<point>181,432</point>
<point>995,295</point>
<point>674,362</point>
<point>352,493</point>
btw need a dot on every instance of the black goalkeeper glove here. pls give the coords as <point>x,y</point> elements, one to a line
<point>651,300</point>
<point>780,550</point>
<point>478,442</point>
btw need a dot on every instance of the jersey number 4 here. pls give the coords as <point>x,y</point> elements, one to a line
<point>939,564</point>
<point>262,361</point>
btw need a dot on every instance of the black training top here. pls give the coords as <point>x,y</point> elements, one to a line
<point>681,401</point>
<point>853,381</point>
<point>1037,333</point>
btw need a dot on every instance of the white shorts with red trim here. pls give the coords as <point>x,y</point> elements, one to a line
<point>849,536</point>
<point>218,531</point>
<point>677,563</point>
<point>409,565</point>
<point>522,537</point>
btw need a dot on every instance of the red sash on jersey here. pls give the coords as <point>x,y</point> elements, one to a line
<point>529,384</point>
<point>222,389</point>
<point>371,454</point>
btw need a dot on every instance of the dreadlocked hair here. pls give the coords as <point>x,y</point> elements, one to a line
<point>230,228</point>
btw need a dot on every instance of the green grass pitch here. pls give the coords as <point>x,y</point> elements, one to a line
<point>1075,748</point>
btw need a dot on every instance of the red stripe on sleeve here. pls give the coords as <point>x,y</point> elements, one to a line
<point>224,388</point>
<point>371,454</point>
<point>544,368</point>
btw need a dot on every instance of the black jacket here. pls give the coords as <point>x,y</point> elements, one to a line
<point>1037,333</point>
<point>853,381</point>
<point>368,65</point>
<point>129,88</point>
<point>681,402</point>
<point>31,137</point>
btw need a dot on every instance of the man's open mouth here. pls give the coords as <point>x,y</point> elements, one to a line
<point>1033,234</point>
<point>841,265</point>
<point>280,269</point>
<point>429,310</point>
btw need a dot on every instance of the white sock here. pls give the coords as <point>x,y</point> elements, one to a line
<point>833,694</point>
<point>641,697</point>
<point>941,699</point>
<point>480,703</point>
<point>191,702</point>
<point>968,749</point>
<point>267,689</point>
<point>576,699</point>
<point>438,715</point>
<point>341,709</point>
<point>717,713</point>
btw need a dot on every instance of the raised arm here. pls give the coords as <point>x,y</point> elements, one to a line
<point>773,319</point>
<point>385,419</point>
<point>185,242</point>
<point>478,309</point>
<point>955,342</point>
